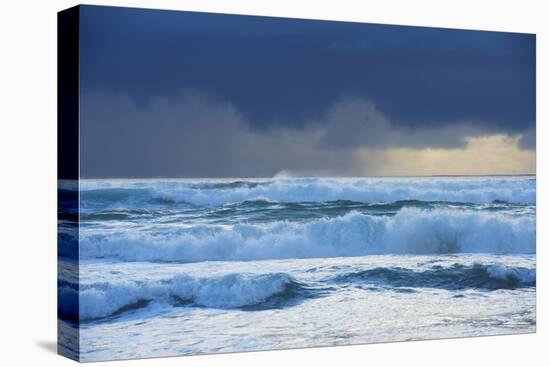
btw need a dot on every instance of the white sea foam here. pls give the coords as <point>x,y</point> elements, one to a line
<point>456,291</point>
<point>411,230</point>
<point>114,295</point>
<point>227,291</point>
<point>210,193</point>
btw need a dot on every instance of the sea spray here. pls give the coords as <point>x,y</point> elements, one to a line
<point>410,231</point>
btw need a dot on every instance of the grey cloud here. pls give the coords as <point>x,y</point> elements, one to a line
<point>355,123</point>
<point>194,135</point>
<point>528,140</point>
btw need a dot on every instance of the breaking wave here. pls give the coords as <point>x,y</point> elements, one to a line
<point>366,190</point>
<point>410,231</point>
<point>455,277</point>
<point>246,291</point>
<point>100,300</point>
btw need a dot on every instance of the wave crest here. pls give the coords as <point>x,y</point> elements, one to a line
<point>100,300</point>
<point>410,231</point>
<point>367,190</point>
<point>247,291</point>
<point>455,277</point>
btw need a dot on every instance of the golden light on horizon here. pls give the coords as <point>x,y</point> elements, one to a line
<point>484,155</point>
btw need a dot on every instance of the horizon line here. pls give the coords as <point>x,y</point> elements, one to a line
<point>291,177</point>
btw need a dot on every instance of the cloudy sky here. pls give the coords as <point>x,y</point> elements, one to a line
<point>178,94</point>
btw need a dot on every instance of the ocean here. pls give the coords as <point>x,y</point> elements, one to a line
<point>179,267</point>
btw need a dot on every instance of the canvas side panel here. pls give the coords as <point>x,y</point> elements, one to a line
<point>67,189</point>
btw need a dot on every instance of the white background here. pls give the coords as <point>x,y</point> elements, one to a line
<point>28,181</point>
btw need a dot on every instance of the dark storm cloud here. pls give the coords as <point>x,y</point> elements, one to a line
<point>355,123</point>
<point>286,71</point>
<point>192,135</point>
<point>195,135</point>
<point>348,85</point>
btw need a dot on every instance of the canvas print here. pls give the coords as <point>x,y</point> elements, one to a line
<point>233,183</point>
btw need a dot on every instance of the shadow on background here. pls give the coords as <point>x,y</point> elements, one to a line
<point>49,346</point>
